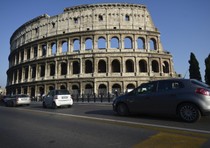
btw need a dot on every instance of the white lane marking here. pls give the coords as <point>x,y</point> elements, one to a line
<point>120,121</point>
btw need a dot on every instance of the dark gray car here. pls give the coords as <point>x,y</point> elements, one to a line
<point>187,98</point>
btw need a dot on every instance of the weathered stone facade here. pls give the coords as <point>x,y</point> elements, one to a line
<point>96,48</point>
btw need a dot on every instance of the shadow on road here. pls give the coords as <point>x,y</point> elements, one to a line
<point>134,116</point>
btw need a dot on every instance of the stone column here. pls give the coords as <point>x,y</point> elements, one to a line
<point>32,53</point>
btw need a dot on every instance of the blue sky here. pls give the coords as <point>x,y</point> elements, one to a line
<point>184,26</point>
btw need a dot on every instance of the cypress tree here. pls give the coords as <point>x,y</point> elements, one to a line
<point>194,69</point>
<point>207,71</point>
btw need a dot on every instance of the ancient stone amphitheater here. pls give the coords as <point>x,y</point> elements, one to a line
<point>88,49</point>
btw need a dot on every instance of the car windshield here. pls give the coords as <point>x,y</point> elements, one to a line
<point>196,82</point>
<point>62,92</point>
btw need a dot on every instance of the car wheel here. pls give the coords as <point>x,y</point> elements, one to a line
<point>122,109</point>
<point>189,112</point>
<point>54,106</point>
<point>44,105</point>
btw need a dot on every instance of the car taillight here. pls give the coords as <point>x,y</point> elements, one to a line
<point>202,91</point>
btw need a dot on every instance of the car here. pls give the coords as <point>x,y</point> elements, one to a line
<point>57,98</point>
<point>188,99</point>
<point>17,100</point>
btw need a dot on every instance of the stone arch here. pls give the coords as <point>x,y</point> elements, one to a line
<point>25,90</point>
<point>130,87</point>
<point>63,67</point>
<point>102,89</point>
<point>51,87</point>
<point>88,89</point>
<point>52,69</point>
<point>115,42</point>
<point>41,90</point>
<point>152,44</point>
<point>62,86</point>
<point>53,48</point>
<point>76,44</point>
<point>101,43</point>
<point>142,66</point>
<point>42,70</point>
<point>76,67</point>
<point>75,90</point>
<point>102,66</point>
<point>88,66</point>
<point>115,66</point>
<point>44,50</point>
<point>128,43</point>
<point>64,46</point>
<point>155,66</point>
<point>141,43</point>
<point>116,88</point>
<point>19,90</point>
<point>32,91</point>
<point>88,44</point>
<point>165,67</point>
<point>129,66</point>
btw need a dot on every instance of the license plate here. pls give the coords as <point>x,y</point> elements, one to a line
<point>64,97</point>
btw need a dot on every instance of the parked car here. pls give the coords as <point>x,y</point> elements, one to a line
<point>57,98</point>
<point>16,100</point>
<point>187,98</point>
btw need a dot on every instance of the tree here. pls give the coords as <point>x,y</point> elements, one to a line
<point>207,71</point>
<point>194,69</point>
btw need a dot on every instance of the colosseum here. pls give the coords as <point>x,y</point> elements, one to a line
<point>88,49</point>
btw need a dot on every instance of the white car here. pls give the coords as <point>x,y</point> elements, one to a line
<point>16,100</point>
<point>57,98</point>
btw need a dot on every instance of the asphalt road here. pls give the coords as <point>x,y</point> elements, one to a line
<point>95,125</point>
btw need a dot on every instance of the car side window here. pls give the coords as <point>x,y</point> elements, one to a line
<point>169,85</point>
<point>50,94</point>
<point>147,88</point>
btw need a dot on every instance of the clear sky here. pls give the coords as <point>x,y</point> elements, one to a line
<point>184,26</point>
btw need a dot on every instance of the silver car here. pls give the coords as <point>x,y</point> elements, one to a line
<point>57,98</point>
<point>16,100</point>
<point>187,98</point>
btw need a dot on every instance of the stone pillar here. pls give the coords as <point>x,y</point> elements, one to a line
<point>68,67</point>
<point>29,73</point>
<point>56,69</point>
<point>122,65</point>
<point>134,43</point>
<point>68,45</point>
<point>32,53</point>
<point>17,81</point>
<point>57,47</point>
<point>81,66</point>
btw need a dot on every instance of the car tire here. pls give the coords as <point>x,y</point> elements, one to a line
<point>54,106</point>
<point>189,112</point>
<point>122,109</point>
